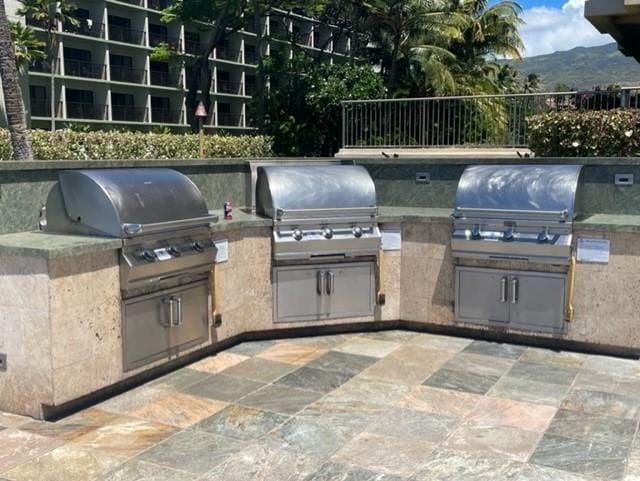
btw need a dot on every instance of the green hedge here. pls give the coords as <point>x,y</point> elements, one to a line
<point>588,133</point>
<point>72,145</point>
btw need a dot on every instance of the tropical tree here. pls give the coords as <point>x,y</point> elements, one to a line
<point>28,46</point>
<point>50,15</point>
<point>13,102</point>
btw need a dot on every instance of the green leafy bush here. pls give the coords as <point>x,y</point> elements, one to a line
<point>589,133</point>
<point>76,145</point>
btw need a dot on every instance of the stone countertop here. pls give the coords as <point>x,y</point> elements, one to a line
<point>414,214</point>
<point>241,219</point>
<point>52,246</point>
<point>608,222</point>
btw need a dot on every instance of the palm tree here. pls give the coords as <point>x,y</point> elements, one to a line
<point>50,15</point>
<point>27,45</point>
<point>12,93</point>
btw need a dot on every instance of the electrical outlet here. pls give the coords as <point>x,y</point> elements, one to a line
<point>423,177</point>
<point>3,362</point>
<point>623,179</point>
<point>217,320</point>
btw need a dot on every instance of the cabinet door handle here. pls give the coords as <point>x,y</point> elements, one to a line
<point>330,283</point>
<point>514,291</point>
<point>320,285</point>
<point>170,302</point>
<point>179,301</point>
<point>503,290</point>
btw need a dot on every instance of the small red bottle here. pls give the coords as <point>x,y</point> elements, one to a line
<point>228,210</point>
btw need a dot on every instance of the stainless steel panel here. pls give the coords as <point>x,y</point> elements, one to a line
<point>192,324</point>
<point>103,201</point>
<point>523,247</point>
<point>299,294</point>
<point>522,191</point>
<point>313,187</point>
<point>482,296</point>
<point>540,302</point>
<point>350,292</point>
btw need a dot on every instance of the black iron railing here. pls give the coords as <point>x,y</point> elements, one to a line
<point>226,53</point>
<point>158,38</point>
<point>229,87</point>
<point>128,74</point>
<point>164,79</point>
<point>85,27</point>
<point>40,108</point>
<point>128,113</point>
<point>165,116</point>
<point>85,110</point>
<point>126,35</point>
<point>77,68</point>
<point>158,4</point>
<point>230,120</point>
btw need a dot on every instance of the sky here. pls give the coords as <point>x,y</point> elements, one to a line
<point>553,25</point>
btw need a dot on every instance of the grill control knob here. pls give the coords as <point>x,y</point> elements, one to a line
<point>508,235</point>
<point>357,231</point>
<point>198,246</point>
<point>327,232</point>
<point>149,256</point>
<point>174,251</point>
<point>543,236</point>
<point>297,234</point>
<point>475,232</point>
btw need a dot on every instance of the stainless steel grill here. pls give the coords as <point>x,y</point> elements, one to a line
<point>166,257</point>
<point>516,212</point>
<point>325,239</point>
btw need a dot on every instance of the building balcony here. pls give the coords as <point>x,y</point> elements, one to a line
<point>85,110</point>
<point>165,116</point>
<point>128,113</point>
<point>157,38</point>
<point>128,74</point>
<point>76,68</point>
<point>137,3</point>
<point>250,58</point>
<point>229,87</point>
<point>158,4</point>
<point>126,35</point>
<point>163,79</point>
<point>40,65</point>
<point>249,89</point>
<point>230,54</point>
<point>40,108</point>
<point>230,120</point>
<point>193,47</point>
<point>86,28</point>
<point>38,23</point>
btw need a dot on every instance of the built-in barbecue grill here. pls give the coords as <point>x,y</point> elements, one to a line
<point>519,213</point>
<point>167,252</point>
<point>325,239</point>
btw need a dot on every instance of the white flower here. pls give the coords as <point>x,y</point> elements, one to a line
<point>576,143</point>
<point>628,133</point>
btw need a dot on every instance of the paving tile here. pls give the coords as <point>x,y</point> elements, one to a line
<point>219,362</point>
<point>532,472</point>
<point>594,427</point>
<point>418,363</point>
<point>501,441</point>
<point>125,437</point>
<point>251,348</point>
<point>605,403</point>
<point>628,386</point>
<point>66,463</point>
<point>373,391</point>
<point>440,401</point>
<point>261,370</point>
<point>136,470</point>
<point>280,399</point>
<point>393,335</point>
<point>352,415</point>
<point>312,438</point>
<point>241,422</point>
<point>292,352</point>
<point>444,343</point>
<point>386,454</point>
<point>223,388</point>
<point>324,342</point>
<point>21,446</point>
<point>497,412</point>
<point>368,347</point>
<point>342,362</point>
<point>595,381</point>
<point>181,379</point>
<point>547,373</point>
<point>177,409</point>
<point>313,379</point>
<point>416,425</point>
<point>452,466</point>
<point>135,399</point>
<point>192,451</point>
<point>612,365</point>
<point>509,351</point>
<point>260,462</point>
<point>344,472</point>
<point>581,456</point>
<point>529,391</point>
<point>461,381</point>
<point>73,426</point>
<point>8,420</point>
<point>632,472</point>
<point>555,358</point>
<point>479,364</point>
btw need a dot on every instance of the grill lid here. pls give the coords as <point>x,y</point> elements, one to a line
<point>518,191</point>
<point>303,192</point>
<point>125,202</point>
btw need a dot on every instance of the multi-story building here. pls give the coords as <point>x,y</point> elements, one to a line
<point>106,77</point>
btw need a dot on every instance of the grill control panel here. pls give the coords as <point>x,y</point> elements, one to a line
<point>166,253</point>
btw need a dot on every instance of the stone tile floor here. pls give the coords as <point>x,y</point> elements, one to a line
<point>385,406</point>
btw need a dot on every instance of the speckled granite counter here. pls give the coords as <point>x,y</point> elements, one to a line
<point>52,246</point>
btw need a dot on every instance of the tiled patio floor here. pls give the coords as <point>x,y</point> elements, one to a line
<point>386,406</point>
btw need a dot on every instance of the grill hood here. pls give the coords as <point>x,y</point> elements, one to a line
<point>290,192</point>
<point>124,202</point>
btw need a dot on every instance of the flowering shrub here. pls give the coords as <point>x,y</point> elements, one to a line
<point>588,133</point>
<point>72,145</point>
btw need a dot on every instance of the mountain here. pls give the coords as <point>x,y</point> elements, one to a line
<point>582,68</point>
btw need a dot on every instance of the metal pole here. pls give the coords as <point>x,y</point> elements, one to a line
<point>201,136</point>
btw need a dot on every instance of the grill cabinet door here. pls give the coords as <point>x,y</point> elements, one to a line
<point>145,328</point>
<point>298,294</point>
<point>352,290</point>
<point>194,316</point>
<point>539,303</point>
<point>482,296</point>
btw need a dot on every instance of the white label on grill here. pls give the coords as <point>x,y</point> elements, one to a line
<point>162,254</point>
<point>222,250</point>
<point>593,250</point>
<point>391,239</point>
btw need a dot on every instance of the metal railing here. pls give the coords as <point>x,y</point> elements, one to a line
<point>157,38</point>
<point>40,108</point>
<point>165,116</point>
<point>128,74</point>
<point>41,65</point>
<point>250,57</point>
<point>128,113</point>
<point>158,4</point>
<point>464,121</point>
<point>228,87</point>
<point>78,68</point>
<point>226,53</point>
<point>193,46</point>
<point>230,120</point>
<point>85,110</point>
<point>164,79</point>
<point>85,27</point>
<point>126,35</point>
